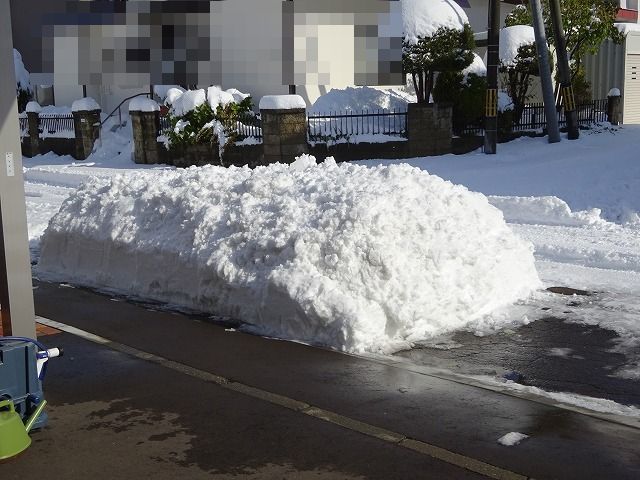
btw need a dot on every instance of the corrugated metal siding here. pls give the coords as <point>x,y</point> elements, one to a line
<point>605,70</point>
<point>632,90</point>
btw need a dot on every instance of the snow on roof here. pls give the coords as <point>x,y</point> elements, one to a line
<point>22,75</point>
<point>277,247</point>
<point>143,104</point>
<point>281,102</point>
<point>511,39</point>
<point>188,101</point>
<point>86,104</point>
<point>422,18</point>
<point>362,98</point>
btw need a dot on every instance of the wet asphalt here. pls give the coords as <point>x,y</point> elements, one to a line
<point>116,416</point>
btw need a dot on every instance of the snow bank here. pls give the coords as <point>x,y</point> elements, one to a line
<point>281,102</point>
<point>511,39</point>
<point>422,18</point>
<point>356,258</point>
<point>143,104</point>
<point>362,98</point>
<point>86,104</point>
<point>543,211</point>
<point>22,75</point>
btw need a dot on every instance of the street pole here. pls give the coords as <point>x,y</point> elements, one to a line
<point>568,99</point>
<point>491,98</point>
<point>16,294</point>
<point>292,88</point>
<point>545,72</point>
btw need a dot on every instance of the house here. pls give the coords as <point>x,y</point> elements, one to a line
<point>618,66</point>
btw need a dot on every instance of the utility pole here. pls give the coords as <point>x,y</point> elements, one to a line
<point>491,98</point>
<point>545,72</point>
<point>566,88</point>
<point>292,88</point>
<point>16,294</point>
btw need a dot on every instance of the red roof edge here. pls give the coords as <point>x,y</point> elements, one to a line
<point>625,15</point>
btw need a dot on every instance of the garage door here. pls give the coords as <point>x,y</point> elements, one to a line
<point>632,89</point>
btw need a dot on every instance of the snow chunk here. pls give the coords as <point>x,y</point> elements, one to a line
<point>216,96</point>
<point>188,101</point>
<point>163,90</point>
<point>477,66</point>
<point>143,104</point>
<point>22,75</point>
<point>238,96</point>
<point>422,18</point>
<point>511,39</point>
<point>173,94</point>
<point>362,98</point>
<point>355,258</point>
<point>33,107</point>
<point>86,104</point>
<point>614,92</point>
<point>512,438</point>
<point>281,102</point>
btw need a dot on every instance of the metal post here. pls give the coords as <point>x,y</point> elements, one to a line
<point>292,88</point>
<point>566,88</point>
<point>16,294</point>
<point>493,59</point>
<point>545,72</point>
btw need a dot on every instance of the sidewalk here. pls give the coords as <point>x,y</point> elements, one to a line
<point>115,415</point>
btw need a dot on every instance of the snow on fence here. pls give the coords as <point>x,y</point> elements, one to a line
<point>56,125</point>
<point>534,118</point>
<point>335,125</point>
<point>247,126</point>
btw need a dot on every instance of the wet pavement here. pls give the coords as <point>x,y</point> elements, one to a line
<point>127,417</point>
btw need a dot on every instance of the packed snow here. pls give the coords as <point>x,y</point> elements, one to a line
<point>86,104</point>
<point>187,101</point>
<point>614,92</point>
<point>282,102</point>
<point>33,107</point>
<point>422,18</point>
<point>512,438</point>
<point>143,104</point>
<point>354,258</point>
<point>511,39</point>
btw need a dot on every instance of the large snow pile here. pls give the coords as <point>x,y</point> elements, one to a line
<point>511,39</point>
<point>362,98</point>
<point>356,258</point>
<point>422,18</point>
<point>22,75</point>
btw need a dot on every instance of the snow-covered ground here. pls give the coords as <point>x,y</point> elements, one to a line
<point>577,202</point>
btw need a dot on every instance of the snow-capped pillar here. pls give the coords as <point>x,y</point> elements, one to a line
<point>284,127</point>
<point>86,121</point>
<point>33,122</point>
<point>145,124</point>
<point>614,107</point>
<point>429,129</point>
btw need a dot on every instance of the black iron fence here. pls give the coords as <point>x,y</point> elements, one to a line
<point>24,126</point>
<point>52,124</point>
<point>165,124</point>
<point>336,125</point>
<point>534,118</point>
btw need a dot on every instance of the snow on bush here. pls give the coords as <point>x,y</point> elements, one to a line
<point>362,98</point>
<point>422,18</point>
<point>355,258</point>
<point>511,39</point>
<point>187,102</point>
<point>22,75</point>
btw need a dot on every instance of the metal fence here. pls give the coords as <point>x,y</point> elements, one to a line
<point>24,126</point>
<point>534,117</point>
<point>52,124</point>
<point>165,124</point>
<point>335,125</point>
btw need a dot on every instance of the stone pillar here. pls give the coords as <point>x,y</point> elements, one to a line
<point>614,107</point>
<point>86,121</point>
<point>33,120</point>
<point>284,130</point>
<point>145,123</point>
<point>429,129</point>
